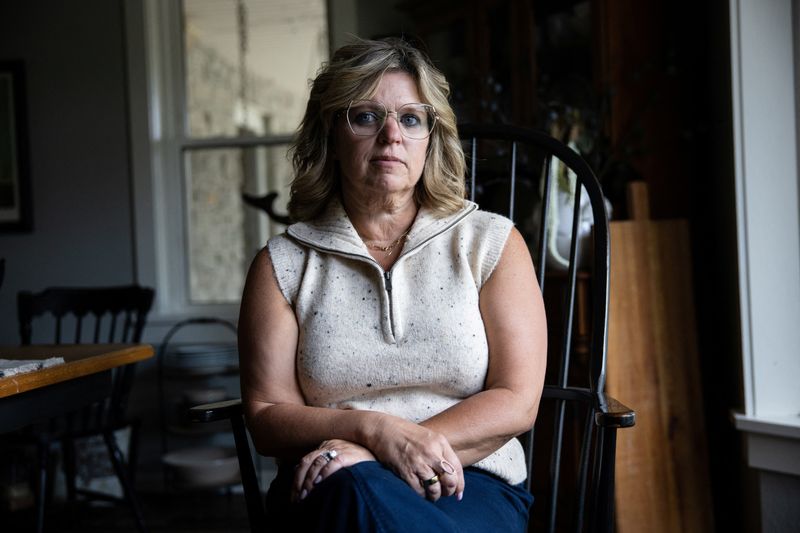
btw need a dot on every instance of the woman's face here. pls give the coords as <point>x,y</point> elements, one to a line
<point>388,162</point>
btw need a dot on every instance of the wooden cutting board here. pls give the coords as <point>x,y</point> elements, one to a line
<point>662,481</point>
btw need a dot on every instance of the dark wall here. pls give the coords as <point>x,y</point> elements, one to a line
<point>712,214</point>
<point>74,61</point>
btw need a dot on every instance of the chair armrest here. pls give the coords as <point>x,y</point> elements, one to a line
<point>212,412</point>
<point>613,414</point>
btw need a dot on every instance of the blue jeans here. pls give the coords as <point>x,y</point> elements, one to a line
<point>368,497</point>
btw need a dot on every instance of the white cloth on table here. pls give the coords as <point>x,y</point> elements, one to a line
<point>12,367</point>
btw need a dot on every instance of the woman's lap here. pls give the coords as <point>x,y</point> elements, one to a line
<point>369,497</point>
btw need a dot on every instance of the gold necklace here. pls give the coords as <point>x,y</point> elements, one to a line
<point>389,247</point>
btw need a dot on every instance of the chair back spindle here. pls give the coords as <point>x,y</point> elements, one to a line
<point>96,312</point>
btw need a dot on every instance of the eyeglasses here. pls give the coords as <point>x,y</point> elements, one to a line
<point>367,118</point>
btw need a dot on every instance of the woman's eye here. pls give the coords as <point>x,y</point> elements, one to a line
<point>410,120</point>
<point>367,117</point>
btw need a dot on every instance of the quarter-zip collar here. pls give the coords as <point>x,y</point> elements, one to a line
<point>334,232</point>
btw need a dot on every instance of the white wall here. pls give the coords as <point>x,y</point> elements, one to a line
<point>74,58</point>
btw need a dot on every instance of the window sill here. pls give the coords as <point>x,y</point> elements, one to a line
<point>773,443</point>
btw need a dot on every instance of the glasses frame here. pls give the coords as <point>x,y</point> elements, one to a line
<point>346,113</point>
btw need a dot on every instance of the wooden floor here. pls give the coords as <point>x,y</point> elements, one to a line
<point>197,512</point>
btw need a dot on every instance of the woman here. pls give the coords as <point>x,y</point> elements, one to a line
<point>393,339</point>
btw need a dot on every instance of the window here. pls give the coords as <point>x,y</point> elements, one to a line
<point>227,83</point>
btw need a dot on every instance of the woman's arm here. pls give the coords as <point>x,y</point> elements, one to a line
<point>513,313</point>
<point>279,421</point>
<point>283,426</point>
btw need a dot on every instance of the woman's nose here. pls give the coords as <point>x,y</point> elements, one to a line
<point>391,130</point>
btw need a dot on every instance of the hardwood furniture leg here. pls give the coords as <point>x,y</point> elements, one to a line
<point>68,447</point>
<point>117,460</point>
<point>43,455</point>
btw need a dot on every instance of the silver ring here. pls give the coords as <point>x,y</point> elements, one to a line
<point>329,455</point>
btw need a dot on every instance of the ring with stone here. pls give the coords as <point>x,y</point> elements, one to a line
<point>329,455</point>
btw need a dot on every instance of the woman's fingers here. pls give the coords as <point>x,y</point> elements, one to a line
<point>422,458</point>
<point>318,465</point>
<point>417,454</point>
<point>313,478</point>
<point>432,485</point>
<point>435,479</point>
<point>307,471</point>
<point>449,478</point>
<point>452,475</point>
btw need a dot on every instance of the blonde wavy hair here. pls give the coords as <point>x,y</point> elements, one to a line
<point>353,73</point>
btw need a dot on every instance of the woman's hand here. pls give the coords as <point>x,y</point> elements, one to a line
<point>423,458</point>
<point>328,458</point>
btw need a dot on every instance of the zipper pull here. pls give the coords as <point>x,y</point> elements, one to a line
<point>388,277</point>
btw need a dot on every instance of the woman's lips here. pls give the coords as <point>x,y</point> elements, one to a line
<point>387,160</point>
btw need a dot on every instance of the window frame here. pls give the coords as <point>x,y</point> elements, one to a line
<point>763,63</point>
<point>765,47</point>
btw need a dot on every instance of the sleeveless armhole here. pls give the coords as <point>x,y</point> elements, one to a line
<point>288,260</point>
<point>491,235</point>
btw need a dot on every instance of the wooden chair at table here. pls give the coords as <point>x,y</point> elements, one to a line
<point>101,315</point>
<point>571,450</point>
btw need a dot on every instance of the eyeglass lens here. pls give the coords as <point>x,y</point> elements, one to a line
<point>367,117</point>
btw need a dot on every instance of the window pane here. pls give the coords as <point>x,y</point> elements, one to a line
<point>248,63</point>
<point>223,232</point>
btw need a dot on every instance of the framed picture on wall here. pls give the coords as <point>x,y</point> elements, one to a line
<point>15,187</point>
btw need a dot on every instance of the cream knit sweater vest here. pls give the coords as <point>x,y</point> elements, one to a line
<point>409,342</point>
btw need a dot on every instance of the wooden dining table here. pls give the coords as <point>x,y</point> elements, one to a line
<point>83,378</point>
